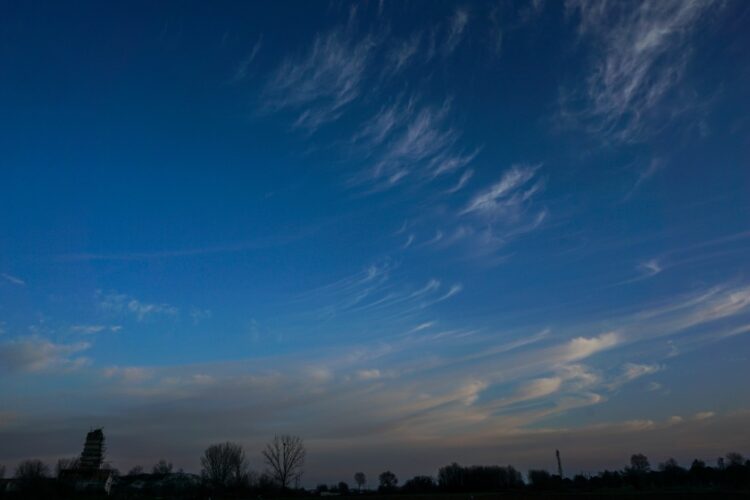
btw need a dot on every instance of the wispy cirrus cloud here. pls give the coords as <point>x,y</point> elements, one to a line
<point>13,279</point>
<point>408,242</point>
<point>694,310</point>
<point>372,374</point>
<point>386,295</point>
<point>508,197</point>
<point>696,318</point>
<point>126,304</point>
<point>704,415</point>
<point>456,29</point>
<point>94,329</point>
<point>318,85</point>
<point>403,53</point>
<point>633,371</point>
<point>654,166</point>
<point>538,388</point>
<point>409,141</point>
<point>198,315</point>
<point>421,326</point>
<point>583,347</point>
<point>645,269</point>
<point>37,354</point>
<point>501,212</point>
<point>642,53</point>
<point>462,181</point>
<point>243,68</point>
<point>129,374</point>
<point>650,267</point>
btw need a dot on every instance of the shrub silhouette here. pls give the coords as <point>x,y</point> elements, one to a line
<point>388,481</point>
<point>224,465</point>
<point>162,467</point>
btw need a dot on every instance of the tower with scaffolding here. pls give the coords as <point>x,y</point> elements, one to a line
<point>92,456</point>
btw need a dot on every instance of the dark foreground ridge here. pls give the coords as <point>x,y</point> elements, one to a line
<point>225,474</point>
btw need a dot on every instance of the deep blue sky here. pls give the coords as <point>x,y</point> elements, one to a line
<point>411,232</point>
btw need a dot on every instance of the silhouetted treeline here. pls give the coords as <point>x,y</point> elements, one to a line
<point>454,478</point>
<point>225,475</point>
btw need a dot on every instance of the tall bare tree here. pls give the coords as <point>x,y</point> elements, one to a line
<point>285,457</point>
<point>224,464</point>
<point>31,470</point>
<point>360,479</point>
<point>31,476</point>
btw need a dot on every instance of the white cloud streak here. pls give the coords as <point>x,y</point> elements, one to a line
<point>633,371</point>
<point>94,329</point>
<point>13,279</point>
<point>122,303</point>
<point>401,55</point>
<point>505,197</point>
<point>456,30</point>
<point>36,354</point>
<point>320,84</point>
<point>243,69</point>
<point>643,52</point>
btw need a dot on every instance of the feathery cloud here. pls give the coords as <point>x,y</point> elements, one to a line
<point>371,374</point>
<point>583,347</point>
<point>244,66</point>
<point>13,279</point>
<point>654,166</point>
<point>538,388</point>
<point>704,415</point>
<point>319,85</point>
<point>122,303</point>
<point>643,52</point>
<point>411,140</point>
<point>650,267</point>
<point>36,354</point>
<point>131,374</point>
<point>456,30</point>
<point>465,177</point>
<point>401,55</point>
<point>508,196</point>
<point>93,329</point>
<point>633,371</point>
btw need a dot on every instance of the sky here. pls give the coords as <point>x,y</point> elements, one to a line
<point>409,232</point>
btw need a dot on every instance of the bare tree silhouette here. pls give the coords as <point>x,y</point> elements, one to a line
<point>224,464</point>
<point>639,463</point>
<point>162,467</point>
<point>285,457</point>
<point>734,458</point>
<point>31,470</point>
<point>360,479</point>
<point>67,464</point>
<point>31,476</point>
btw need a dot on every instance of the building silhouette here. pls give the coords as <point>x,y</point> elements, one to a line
<point>92,456</point>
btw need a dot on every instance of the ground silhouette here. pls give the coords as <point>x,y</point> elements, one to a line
<point>225,474</point>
